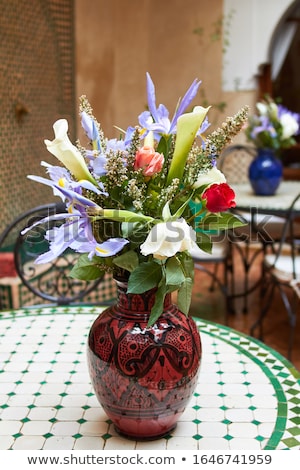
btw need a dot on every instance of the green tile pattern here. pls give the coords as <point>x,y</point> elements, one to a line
<point>248,395</point>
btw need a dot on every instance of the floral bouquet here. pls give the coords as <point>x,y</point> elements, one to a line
<point>143,205</point>
<point>274,126</point>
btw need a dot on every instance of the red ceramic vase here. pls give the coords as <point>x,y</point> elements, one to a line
<point>143,376</point>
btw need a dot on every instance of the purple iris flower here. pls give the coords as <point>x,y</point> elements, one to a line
<point>265,126</point>
<point>110,247</point>
<point>90,128</point>
<point>160,115</point>
<point>74,196</point>
<point>77,234</point>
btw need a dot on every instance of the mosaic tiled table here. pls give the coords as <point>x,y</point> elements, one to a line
<point>248,396</point>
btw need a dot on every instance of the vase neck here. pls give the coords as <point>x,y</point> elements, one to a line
<point>268,152</point>
<point>137,303</point>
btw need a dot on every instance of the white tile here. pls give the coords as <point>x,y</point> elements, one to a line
<point>80,377</point>
<point>34,377</point>
<point>212,443</point>
<point>265,415</point>
<point>65,428</point>
<point>95,414</point>
<point>69,414</point>
<point>184,428</point>
<point>7,387</point>
<point>188,415</point>
<point>245,430</point>
<point>208,401</point>
<point>231,366</point>
<point>27,388</point>
<point>233,378</point>
<point>235,389</point>
<point>44,357</point>
<point>89,443</point>
<point>264,401</point>
<point>209,389</point>
<point>52,388</point>
<point>20,400</point>
<point>239,415</point>
<point>74,400</point>
<point>10,377</point>
<point>244,444</point>
<point>42,413</point>
<point>6,442</point>
<point>47,400</point>
<point>119,443</point>
<point>76,389</point>
<point>261,389</point>
<point>59,443</point>
<point>57,377</point>
<point>211,414</point>
<point>257,378</point>
<point>36,428</point>
<point>94,428</point>
<point>157,444</point>
<point>266,429</point>
<point>9,427</point>
<point>181,443</point>
<point>39,367</point>
<point>14,413</point>
<point>237,401</point>
<point>209,378</point>
<point>212,429</point>
<point>29,443</point>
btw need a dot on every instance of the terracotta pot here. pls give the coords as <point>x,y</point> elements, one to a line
<point>143,376</point>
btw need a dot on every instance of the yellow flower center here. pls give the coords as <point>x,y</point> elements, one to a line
<point>100,250</point>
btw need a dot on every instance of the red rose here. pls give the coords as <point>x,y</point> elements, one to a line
<point>219,197</point>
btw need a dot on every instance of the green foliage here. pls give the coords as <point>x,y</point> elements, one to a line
<point>86,269</point>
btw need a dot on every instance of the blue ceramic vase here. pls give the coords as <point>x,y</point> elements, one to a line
<point>265,172</point>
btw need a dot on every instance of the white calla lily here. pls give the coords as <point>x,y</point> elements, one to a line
<point>63,149</point>
<point>187,127</point>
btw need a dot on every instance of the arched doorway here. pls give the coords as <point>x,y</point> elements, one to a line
<point>280,77</point>
<point>285,59</point>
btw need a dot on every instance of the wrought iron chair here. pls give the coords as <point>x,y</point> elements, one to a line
<point>281,264</point>
<point>51,281</point>
<point>251,240</point>
<point>221,257</point>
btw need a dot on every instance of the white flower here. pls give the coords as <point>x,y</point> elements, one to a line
<point>289,125</point>
<point>168,238</point>
<point>262,108</point>
<point>210,177</point>
<point>63,149</point>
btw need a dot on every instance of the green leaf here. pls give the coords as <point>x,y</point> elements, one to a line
<point>145,277</point>
<point>222,221</point>
<point>158,306</point>
<point>184,295</point>
<point>86,269</point>
<point>187,264</point>
<point>174,273</point>
<point>204,242</point>
<point>128,260</point>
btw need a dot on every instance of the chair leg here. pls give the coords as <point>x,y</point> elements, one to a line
<point>264,310</point>
<point>291,308</point>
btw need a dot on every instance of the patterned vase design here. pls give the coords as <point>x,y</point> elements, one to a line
<point>265,172</point>
<point>143,376</point>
